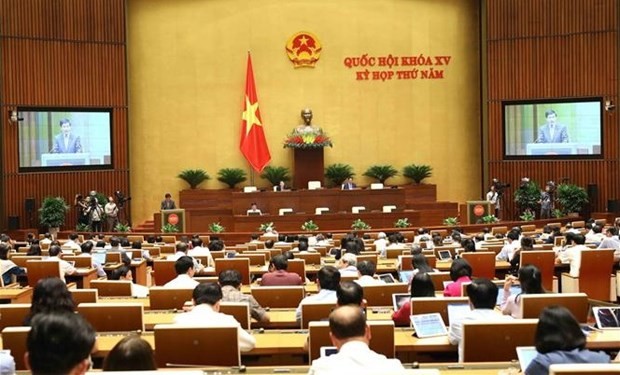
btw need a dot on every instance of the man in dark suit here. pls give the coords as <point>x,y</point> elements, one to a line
<point>66,142</point>
<point>168,203</point>
<point>552,131</point>
<point>348,184</point>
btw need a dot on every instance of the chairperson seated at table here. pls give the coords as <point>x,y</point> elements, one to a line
<point>254,210</point>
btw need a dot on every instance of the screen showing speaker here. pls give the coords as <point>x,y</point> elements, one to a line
<point>67,138</point>
<point>551,129</point>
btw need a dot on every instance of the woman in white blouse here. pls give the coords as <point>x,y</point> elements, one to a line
<point>531,283</point>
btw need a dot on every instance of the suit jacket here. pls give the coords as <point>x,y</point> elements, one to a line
<point>348,186</point>
<point>74,145</point>
<point>168,205</point>
<point>560,134</point>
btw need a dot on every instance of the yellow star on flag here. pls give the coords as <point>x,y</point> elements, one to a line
<point>249,115</point>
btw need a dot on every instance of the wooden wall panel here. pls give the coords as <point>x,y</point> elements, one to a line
<point>541,49</point>
<point>61,53</point>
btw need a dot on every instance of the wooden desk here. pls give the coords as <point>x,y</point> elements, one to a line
<point>82,277</point>
<point>138,270</point>
<point>279,318</point>
<point>16,295</point>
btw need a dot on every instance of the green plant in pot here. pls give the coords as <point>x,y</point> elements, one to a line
<point>489,219</point>
<point>417,172</point>
<point>402,223</point>
<point>337,174</point>
<point>194,177</point>
<point>381,172</point>
<point>451,221</point>
<point>276,174</point>
<point>216,228</point>
<point>231,176</point>
<point>359,225</point>
<point>122,228</point>
<point>528,215</point>
<point>527,196</point>
<point>309,226</point>
<point>82,227</point>
<point>571,197</point>
<point>52,213</point>
<point>169,228</point>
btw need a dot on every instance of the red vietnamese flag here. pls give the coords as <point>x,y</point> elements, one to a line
<point>253,144</point>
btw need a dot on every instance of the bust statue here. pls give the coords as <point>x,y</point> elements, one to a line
<point>306,127</point>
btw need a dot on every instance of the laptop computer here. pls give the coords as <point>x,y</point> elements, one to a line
<point>428,325</point>
<point>398,299</point>
<point>387,278</point>
<point>444,254</point>
<point>326,351</point>
<point>607,317</point>
<point>457,311</point>
<point>405,276</point>
<point>98,257</point>
<point>526,355</point>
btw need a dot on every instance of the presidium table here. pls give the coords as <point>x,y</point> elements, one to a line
<point>418,203</point>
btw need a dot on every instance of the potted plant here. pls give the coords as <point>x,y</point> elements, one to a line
<point>359,225</point>
<point>309,226</point>
<point>82,227</point>
<point>216,228</point>
<point>276,174</point>
<point>528,215</point>
<point>572,198</point>
<point>381,172</point>
<point>451,221</point>
<point>527,196</point>
<point>557,213</point>
<point>489,219</point>
<point>122,228</point>
<point>337,174</point>
<point>169,228</point>
<point>52,213</point>
<point>417,173</point>
<point>402,223</point>
<point>194,177</point>
<point>231,176</point>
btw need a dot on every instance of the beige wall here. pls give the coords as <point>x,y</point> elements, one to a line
<point>187,61</point>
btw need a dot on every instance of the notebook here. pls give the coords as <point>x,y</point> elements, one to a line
<point>526,354</point>
<point>444,254</point>
<point>398,299</point>
<point>326,351</point>
<point>387,278</point>
<point>428,325</point>
<point>607,317</point>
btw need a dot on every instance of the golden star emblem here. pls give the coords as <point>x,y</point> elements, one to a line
<point>303,40</point>
<point>249,115</point>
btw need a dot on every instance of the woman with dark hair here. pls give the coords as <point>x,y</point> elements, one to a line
<point>132,353</point>
<point>460,272</point>
<point>527,244</point>
<point>559,339</point>
<point>421,286</point>
<point>419,264</point>
<point>530,279</point>
<point>49,296</point>
<point>34,249</point>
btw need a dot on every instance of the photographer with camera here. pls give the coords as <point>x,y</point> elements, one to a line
<point>95,213</point>
<point>546,200</point>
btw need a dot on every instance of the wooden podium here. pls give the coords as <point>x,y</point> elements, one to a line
<point>477,209</point>
<point>308,166</point>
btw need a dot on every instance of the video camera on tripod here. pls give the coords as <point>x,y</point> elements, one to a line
<point>500,186</point>
<point>121,199</point>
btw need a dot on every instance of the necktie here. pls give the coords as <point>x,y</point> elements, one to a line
<point>551,132</point>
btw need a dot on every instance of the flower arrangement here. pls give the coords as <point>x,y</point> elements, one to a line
<point>359,225</point>
<point>402,223</point>
<point>266,227</point>
<point>315,138</point>
<point>309,226</point>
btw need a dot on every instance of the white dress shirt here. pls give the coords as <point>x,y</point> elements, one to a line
<point>324,295</point>
<point>203,315</point>
<point>65,267</point>
<point>455,335</point>
<point>572,255</point>
<point>356,357</point>
<point>366,280</point>
<point>182,282</point>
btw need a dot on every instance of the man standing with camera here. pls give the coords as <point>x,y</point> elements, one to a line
<point>95,213</point>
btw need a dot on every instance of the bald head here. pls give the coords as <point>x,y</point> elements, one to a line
<point>347,322</point>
